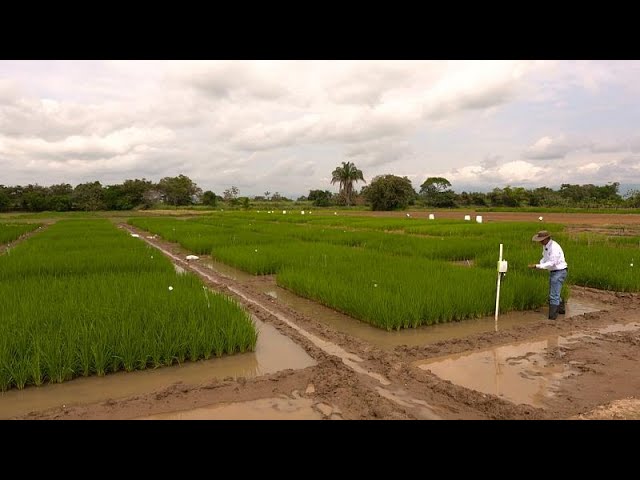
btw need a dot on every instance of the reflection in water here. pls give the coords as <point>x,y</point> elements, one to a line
<point>274,352</point>
<point>517,372</point>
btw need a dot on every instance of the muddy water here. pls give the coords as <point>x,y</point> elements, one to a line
<point>274,352</point>
<point>516,372</point>
<point>389,340</point>
<point>278,408</point>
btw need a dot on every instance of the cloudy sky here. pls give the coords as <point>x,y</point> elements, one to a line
<point>285,125</point>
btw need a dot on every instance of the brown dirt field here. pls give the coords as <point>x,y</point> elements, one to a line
<point>359,380</point>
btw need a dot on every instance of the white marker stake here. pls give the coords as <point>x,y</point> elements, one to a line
<point>498,290</point>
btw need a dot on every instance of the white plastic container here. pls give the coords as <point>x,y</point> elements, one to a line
<point>467,217</point>
<point>479,218</point>
<point>432,216</point>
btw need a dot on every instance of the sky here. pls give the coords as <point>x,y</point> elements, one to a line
<point>284,126</point>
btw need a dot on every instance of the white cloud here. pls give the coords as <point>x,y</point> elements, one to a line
<point>75,146</point>
<point>547,147</point>
<point>589,167</point>
<point>378,152</point>
<point>285,125</point>
<point>514,173</point>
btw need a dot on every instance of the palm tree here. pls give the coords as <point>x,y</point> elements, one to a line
<point>346,175</point>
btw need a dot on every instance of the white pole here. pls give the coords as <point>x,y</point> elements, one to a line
<point>498,291</point>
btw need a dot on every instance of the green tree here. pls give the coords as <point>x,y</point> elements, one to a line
<point>389,192</point>
<point>88,196</point>
<point>113,198</point>
<point>35,198</point>
<point>436,192</point>
<point>345,176</point>
<point>133,192</point>
<point>179,190</point>
<point>5,200</point>
<point>320,198</point>
<point>60,197</point>
<point>209,198</point>
<point>632,199</point>
<point>244,202</point>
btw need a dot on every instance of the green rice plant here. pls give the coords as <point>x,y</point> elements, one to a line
<point>107,316</point>
<point>100,354</point>
<point>603,267</point>
<point>398,292</point>
<point>84,347</point>
<point>35,364</point>
<point>218,342</point>
<point>357,266</point>
<point>261,259</point>
<point>12,231</point>
<point>6,381</point>
<point>19,364</point>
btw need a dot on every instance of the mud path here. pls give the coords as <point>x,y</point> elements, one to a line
<point>579,368</point>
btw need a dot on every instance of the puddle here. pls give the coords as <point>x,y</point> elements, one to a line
<point>518,372</point>
<point>274,352</point>
<point>280,408</point>
<point>230,272</point>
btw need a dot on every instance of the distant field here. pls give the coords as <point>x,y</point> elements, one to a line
<point>400,272</point>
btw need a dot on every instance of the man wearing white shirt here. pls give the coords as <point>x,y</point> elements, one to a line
<point>552,260</point>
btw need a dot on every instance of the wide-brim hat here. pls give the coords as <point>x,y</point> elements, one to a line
<point>540,236</point>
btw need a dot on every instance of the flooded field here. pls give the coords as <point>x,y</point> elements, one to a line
<point>517,372</point>
<point>274,352</point>
<point>313,362</point>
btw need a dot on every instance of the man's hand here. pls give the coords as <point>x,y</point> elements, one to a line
<point>532,265</point>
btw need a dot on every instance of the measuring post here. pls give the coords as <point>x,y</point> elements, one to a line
<point>502,269</point>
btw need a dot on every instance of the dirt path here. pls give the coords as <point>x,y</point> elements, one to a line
<point>594,368</point>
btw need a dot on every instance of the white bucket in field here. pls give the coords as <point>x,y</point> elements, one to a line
<point>302,212</point>
<point>432,216</point>
<point>467,217</point>
<point>479,218</point>
<point>284,212</point>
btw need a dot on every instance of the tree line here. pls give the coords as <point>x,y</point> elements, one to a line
<point>89,196</point>
<point>391,192</point>
<point>384,192</point>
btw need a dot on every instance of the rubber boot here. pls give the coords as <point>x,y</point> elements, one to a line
<point>553,312</point>
<point>561,309</point>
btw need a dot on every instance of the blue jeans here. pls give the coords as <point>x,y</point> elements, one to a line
<point>556,279</point>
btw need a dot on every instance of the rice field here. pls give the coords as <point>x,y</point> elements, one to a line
<point>84,298</point>
<point>10,232</point>
<point>398,273</point>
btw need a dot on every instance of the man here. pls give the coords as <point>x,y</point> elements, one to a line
<point>552,260</point>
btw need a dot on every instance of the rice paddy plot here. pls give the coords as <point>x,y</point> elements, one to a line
<point>85,298</point>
